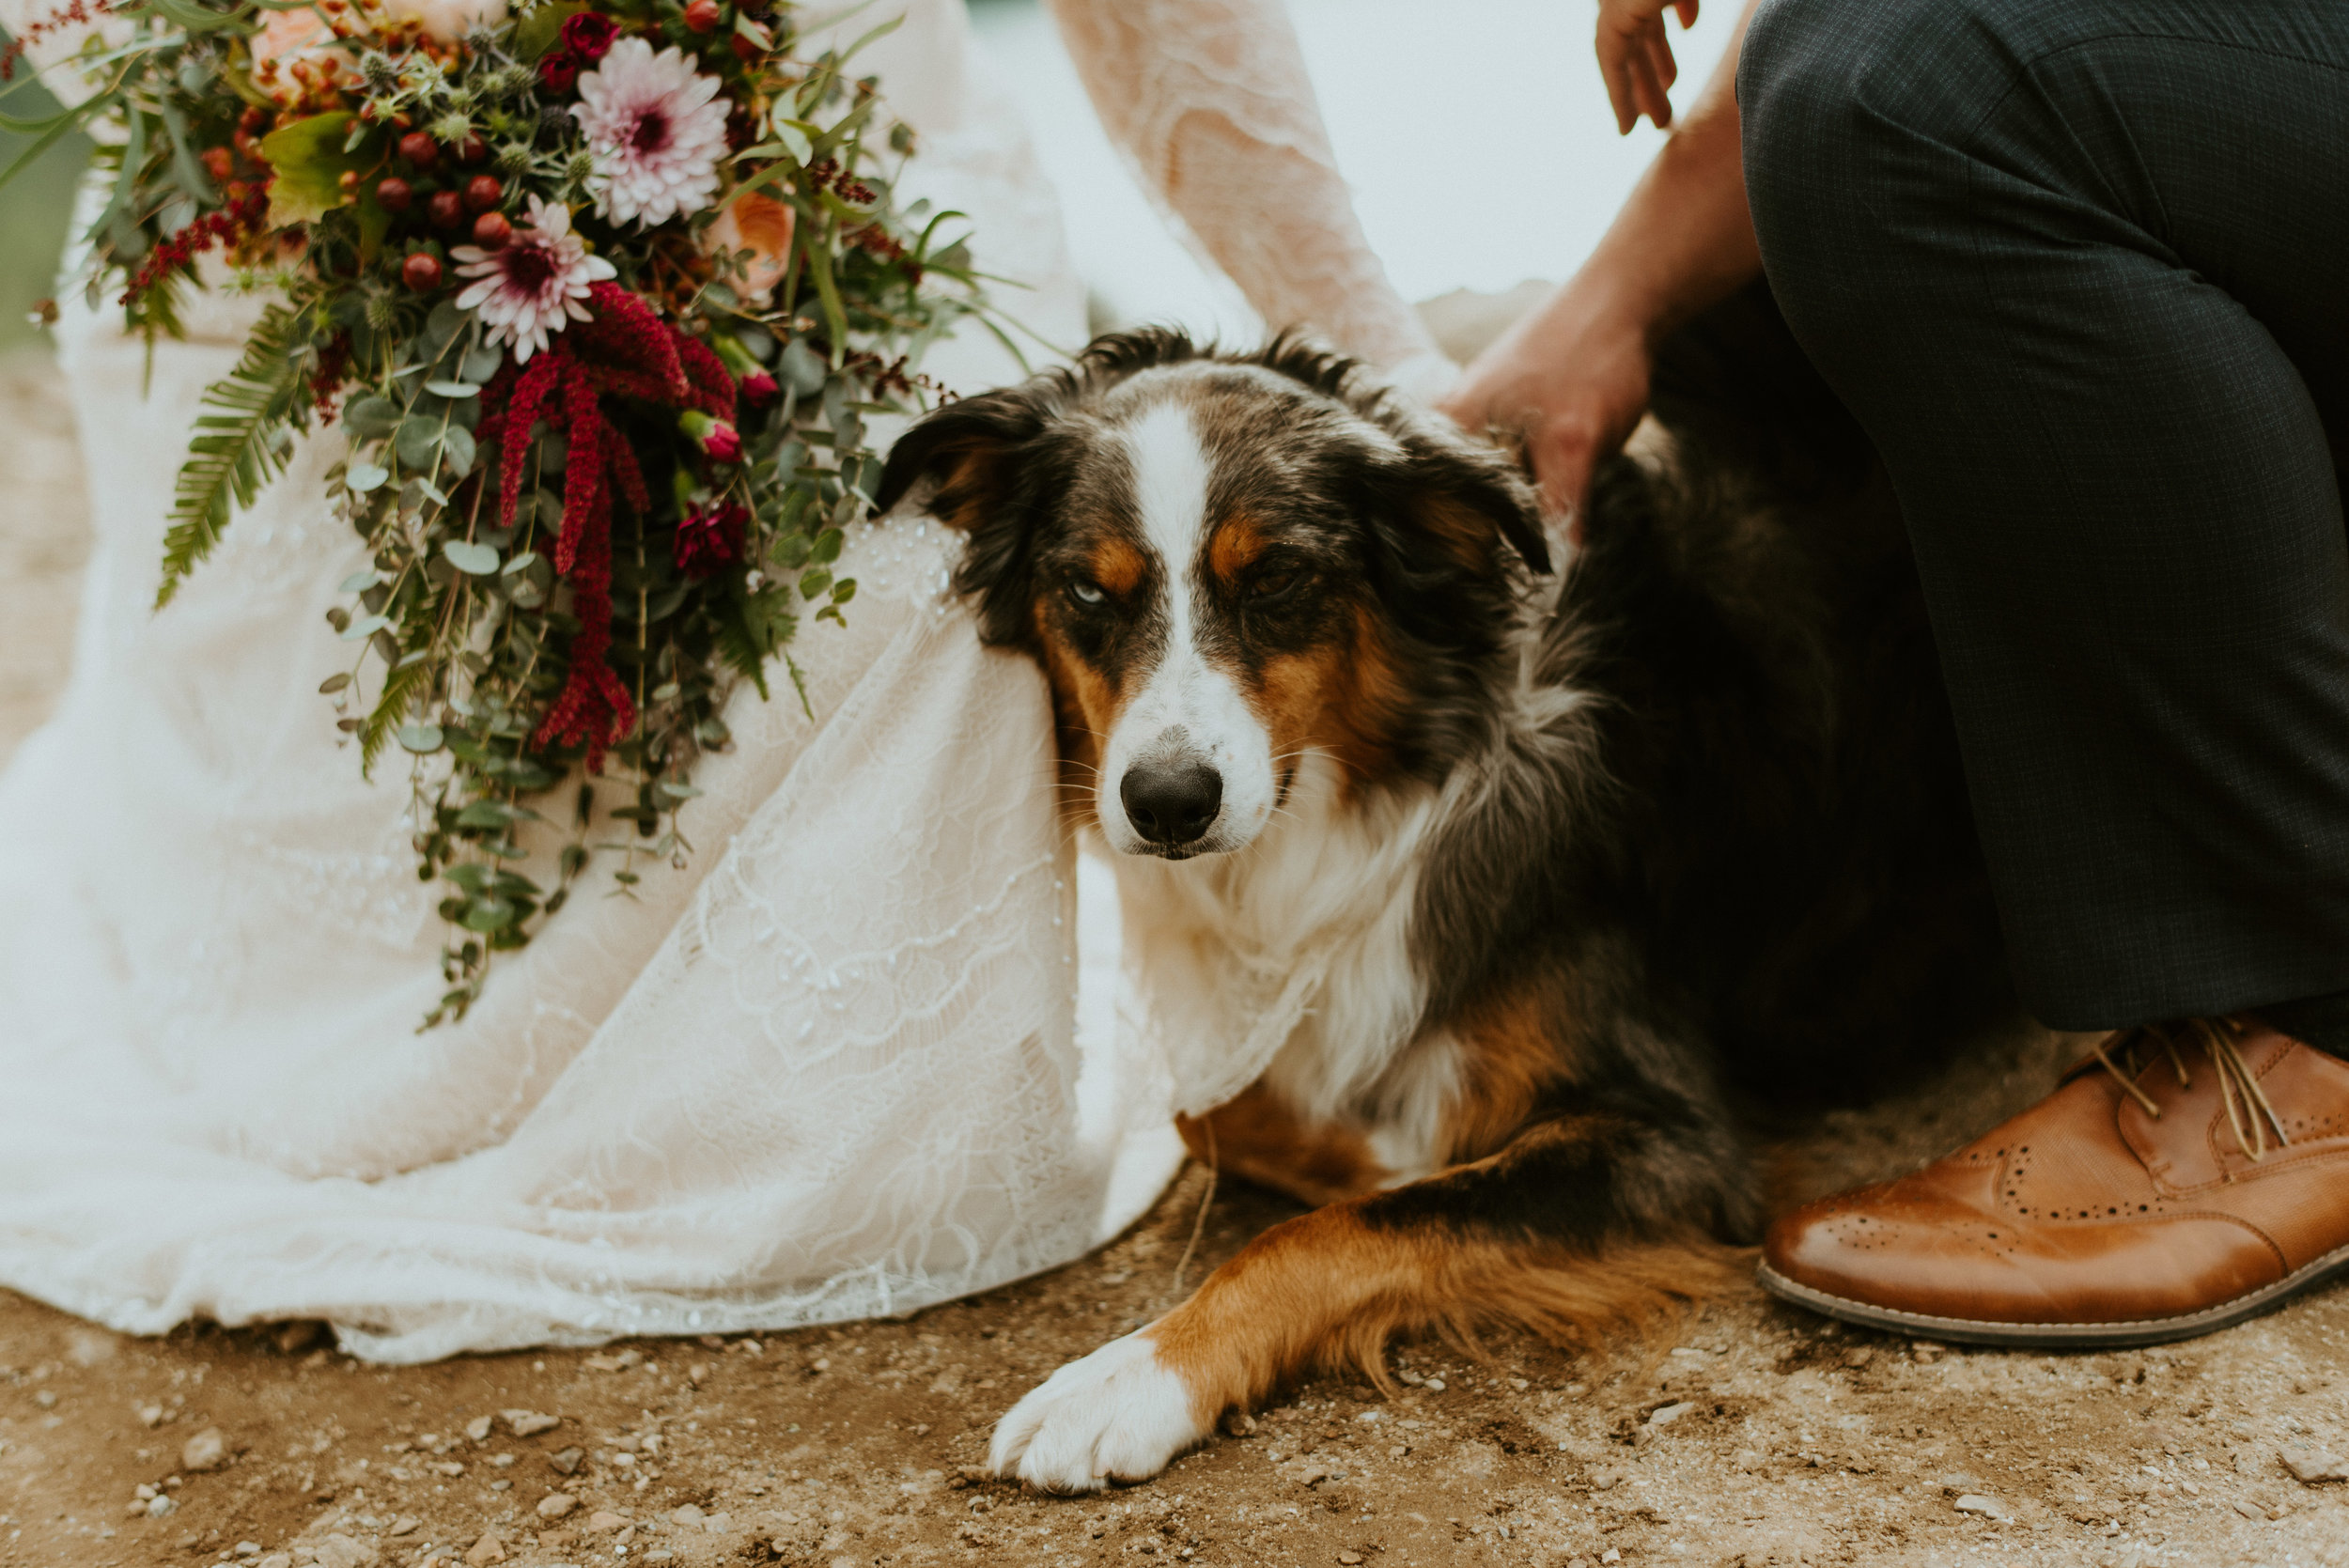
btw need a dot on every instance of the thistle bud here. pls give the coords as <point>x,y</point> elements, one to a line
<point>379,72</point>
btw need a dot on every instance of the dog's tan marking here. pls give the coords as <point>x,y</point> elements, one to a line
<point>1330,1288</point>
<point>1511,1050</point>
<point>1118,565</point>
<point>1237,544</point>
<point>1260,1138</point>
<point>1472,535</point>
<point>1345,699</point>
<point>1084,704</point>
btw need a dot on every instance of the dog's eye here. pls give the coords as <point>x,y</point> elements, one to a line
<point>1086,592</point>
<point>1276,585</point>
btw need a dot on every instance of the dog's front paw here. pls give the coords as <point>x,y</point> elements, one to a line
<point>1118,1414</point>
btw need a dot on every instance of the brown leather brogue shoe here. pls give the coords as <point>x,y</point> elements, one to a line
<point>2180,1180</point>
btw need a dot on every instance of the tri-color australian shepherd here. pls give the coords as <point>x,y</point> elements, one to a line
<point>1613,856</point>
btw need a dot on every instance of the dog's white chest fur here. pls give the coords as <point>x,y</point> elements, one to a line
<point>1291,961</point>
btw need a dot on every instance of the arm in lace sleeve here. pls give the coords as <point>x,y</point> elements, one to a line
<point>1210,101</point>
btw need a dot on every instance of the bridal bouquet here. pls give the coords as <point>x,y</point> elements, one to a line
<point>602,296</point>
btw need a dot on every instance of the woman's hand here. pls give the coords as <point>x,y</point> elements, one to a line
<point>1571,380</point>
<point>1636,58</point>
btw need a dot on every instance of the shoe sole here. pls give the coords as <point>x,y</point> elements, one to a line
<point>2060,1336</point>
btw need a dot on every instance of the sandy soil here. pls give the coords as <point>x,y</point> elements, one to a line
<point>1751,1435</point>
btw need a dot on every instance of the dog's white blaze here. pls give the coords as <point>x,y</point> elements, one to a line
<point>1171,471</point>
<point>1117,1414</point>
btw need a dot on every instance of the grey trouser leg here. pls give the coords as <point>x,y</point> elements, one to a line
<point>2081,268</point>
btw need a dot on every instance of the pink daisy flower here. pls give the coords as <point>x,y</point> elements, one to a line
<point>533,284</point>
<point>655,132</point>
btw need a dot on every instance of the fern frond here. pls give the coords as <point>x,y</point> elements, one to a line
<point>399,688</point>
<point>236,452</point>
<point>737,645</point>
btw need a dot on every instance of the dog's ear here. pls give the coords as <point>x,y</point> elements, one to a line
<point>1468,498</point>
<point>1449,525</point>
<point>979,456</point>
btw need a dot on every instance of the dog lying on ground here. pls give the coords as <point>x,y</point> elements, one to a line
<point>1601,871</point>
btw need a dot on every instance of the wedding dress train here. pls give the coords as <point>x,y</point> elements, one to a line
<point>827,1068</point>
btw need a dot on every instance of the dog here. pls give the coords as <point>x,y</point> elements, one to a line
<point>1592,867</point>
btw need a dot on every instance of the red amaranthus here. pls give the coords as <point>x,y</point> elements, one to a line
<point>624,351</point>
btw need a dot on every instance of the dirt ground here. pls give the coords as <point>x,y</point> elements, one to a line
<point>1753,1435</point>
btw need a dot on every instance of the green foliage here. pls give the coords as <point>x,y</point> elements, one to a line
<point>236,451</point>
<point>310,159</point>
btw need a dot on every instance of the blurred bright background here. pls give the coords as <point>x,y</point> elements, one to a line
<point>1475,133</point>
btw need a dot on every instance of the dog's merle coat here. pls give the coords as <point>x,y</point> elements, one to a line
<point>1697,836</point>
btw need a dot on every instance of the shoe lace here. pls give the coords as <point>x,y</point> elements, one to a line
<point>2249,1114</point>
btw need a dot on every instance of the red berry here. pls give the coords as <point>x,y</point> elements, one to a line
<point>702,16</point>
<point>447,209</point>
<point>745,50</point>
<point>491,230</point>
<point>419,149</point>
<point>421,271</point>
<point>218,161</point>
<point>473,149</point>
<point>394,194</point>
<point>253,119</point>
<point>483,191</point>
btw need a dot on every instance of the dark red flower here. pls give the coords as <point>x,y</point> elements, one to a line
<point>760,387</point>
<point>710,539</point>
<point>559,74</point>
<point>588,36</point>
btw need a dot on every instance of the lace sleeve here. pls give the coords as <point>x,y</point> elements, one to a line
<point>1209,100</point>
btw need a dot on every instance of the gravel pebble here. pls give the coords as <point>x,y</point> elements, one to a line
<point>2311,1467</point>
<point>206,1451</point>
<point>529,1424</point>
<point>1990,1508</point>
<point>556,1504</point>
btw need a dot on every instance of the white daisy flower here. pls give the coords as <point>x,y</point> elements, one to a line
<point>654,133</point>
<point>533,284</point>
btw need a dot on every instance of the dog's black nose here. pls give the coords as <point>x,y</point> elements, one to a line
<point>1171,803</point>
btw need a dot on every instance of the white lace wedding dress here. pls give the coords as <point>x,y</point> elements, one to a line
<point>828,1069</point>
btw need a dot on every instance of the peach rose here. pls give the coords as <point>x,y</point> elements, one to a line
<point>764,225</point>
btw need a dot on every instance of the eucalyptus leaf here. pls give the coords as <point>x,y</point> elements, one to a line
<point>423,739</point>
<point>489,914</point>
<point>364,477</point>
<point>372,418</point>
<point>803,368</point>
<point>359,582</point>
<point>334,683</point>
<point>481,364</point>
<point>365,626</point>
<point>416,441</point>
<point>452,389</point>
<point>477,559</point>
<point>457,448</point>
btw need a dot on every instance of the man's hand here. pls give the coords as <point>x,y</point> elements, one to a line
<point>1572,379</point>
<point>1636,59</point>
